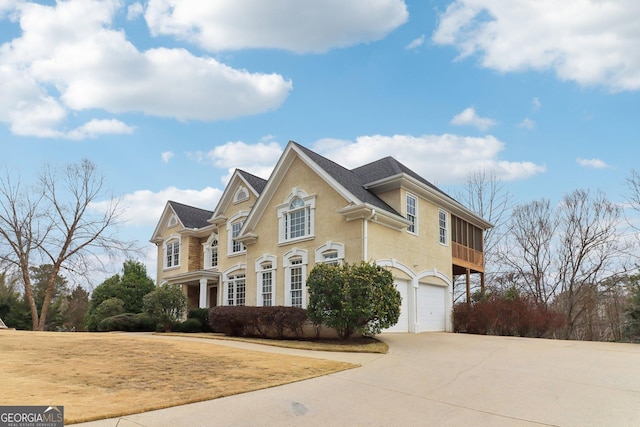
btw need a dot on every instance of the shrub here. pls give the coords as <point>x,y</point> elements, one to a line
<point>506,313</point>
<point>266,322</point>
<point>128,322</point>
<point>189,326</point>
<point>107,308</point>
<point>166,305</point>
<point>353,298</point>
<point>201,314</point>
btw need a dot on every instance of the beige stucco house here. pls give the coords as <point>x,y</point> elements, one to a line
<point>263,238</point>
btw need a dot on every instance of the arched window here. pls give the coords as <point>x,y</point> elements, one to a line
<point>234,226</point>
<point>296,217</point>
<point>330,253</point>
<point>235,285</point>
<point>295,266</point>
<point>266,277</point>
<point>172,252</point>
<point>241,195</point>
<point>211,252</point>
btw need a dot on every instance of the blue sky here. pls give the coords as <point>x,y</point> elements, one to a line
<point>167,97</point>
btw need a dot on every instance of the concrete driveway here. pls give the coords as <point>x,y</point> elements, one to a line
<point>440,379</point>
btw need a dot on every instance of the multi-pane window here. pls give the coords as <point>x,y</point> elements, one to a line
<point>235,232</point>
<point>297,221</point>
<point>214,254</point>
<point>442,222</point>
<point>297,281</point>
<point>412,212</point>
<point>267,284</point>
<point>236,289</point>
<point>172,254</point>
<point>330,257</point>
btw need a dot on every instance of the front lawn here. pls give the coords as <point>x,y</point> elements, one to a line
<point>104,375</point>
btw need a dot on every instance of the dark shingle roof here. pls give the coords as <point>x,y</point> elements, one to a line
<point>355,180</point>
<point>348,179</point>
<point>191,217</point>
<point>387,167</point>
<point>256,182</point>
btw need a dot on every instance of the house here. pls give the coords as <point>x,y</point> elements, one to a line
<point>263,238</point>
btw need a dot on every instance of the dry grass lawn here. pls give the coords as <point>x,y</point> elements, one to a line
<point>98,376</point>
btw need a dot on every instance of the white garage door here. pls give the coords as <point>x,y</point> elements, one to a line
<point>431,308</point>
<point>403,320</point>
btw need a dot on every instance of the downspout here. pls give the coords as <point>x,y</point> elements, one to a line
<point>365,236</point>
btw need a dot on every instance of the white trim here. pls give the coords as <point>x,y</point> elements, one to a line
<point>169,239</point>
<point>412,297</point>
<point>237,217</point>
<point>206,246</point>
<point>259,270</point>
<point>329,246</point>
<point>295,254</point>
<point>283,212</point>
<point>447,226</point>
<point>242,194</point>
<point>236,270</point>
<point>408,195</point>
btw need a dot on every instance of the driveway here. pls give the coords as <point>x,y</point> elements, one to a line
<point>440,379</point>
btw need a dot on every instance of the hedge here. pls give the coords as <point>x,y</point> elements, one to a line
<point>265,322</point>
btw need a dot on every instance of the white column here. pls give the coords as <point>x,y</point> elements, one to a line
<point>203,293</point>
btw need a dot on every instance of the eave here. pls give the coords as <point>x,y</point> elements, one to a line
<point>370,213</point>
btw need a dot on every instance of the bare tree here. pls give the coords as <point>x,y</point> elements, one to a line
<point>530,252</point>
<point>561,255</point>
<point>588,245</point>
<point>52,223</point>
<point>485,194</point>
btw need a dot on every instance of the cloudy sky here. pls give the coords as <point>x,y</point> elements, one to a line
<point>167,97</point>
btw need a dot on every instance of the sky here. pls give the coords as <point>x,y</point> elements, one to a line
<point>168,97</point>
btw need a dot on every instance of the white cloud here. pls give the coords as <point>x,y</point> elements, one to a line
<point>535,103</point>
<point>470,118</point>
<point>70,58</point>
<point>527,123</point>
<point>257,159</point>
<point>298,26</point>
<point>416,43</point>
<point>592,163</point>
<point>446,159</point>
<point>144,207</point>
<point>592,42</point>
<point>166,156</point>
<point>95,128</point>
<point>134,10</point>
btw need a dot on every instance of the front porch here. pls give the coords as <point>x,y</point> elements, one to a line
<point>202,288</point>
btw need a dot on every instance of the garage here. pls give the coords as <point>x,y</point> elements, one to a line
<point>431,313</point>
<point>403,321</point>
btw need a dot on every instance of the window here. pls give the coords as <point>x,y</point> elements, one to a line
<point>296,282</point>
<point>236,289</point>
<point>265,270</point>
<point>213,259</point>
<point>297,221</point>
<point>234,227</point>
<point>295,263</point>
<point>412,213</point>
<point>211,252</point>
<point>241,195</point>
<point>267,285</point>
<point>330,253</point>
<point>172,253</point>
<point>296,217</point>
<point>236,246</point>
<point>442,220</point>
